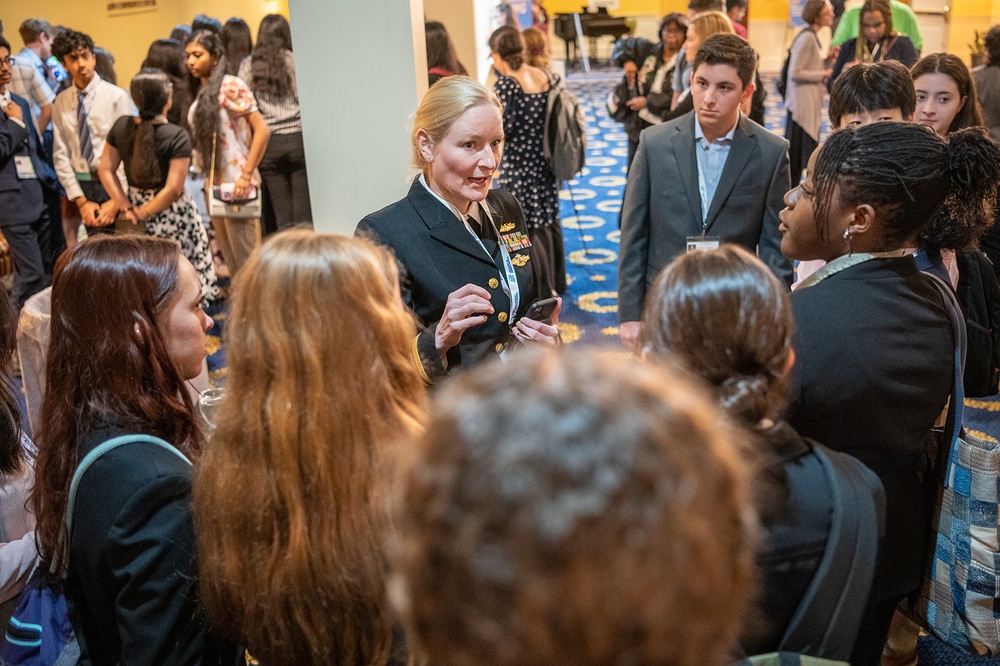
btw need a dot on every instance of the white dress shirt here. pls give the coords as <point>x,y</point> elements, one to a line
<point>105,103</point>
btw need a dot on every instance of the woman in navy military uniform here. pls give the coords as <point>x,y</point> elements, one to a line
<point>466,267</point>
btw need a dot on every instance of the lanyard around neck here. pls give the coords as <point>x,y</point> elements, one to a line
<point>509,276</point>
<point>845,262</point>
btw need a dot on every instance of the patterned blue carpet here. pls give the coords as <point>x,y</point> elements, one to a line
<point>589,211</point>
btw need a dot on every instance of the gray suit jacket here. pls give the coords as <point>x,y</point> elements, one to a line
<point>662,207</point>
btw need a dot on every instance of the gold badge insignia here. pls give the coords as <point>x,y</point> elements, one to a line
<point>504,228</point>
<point>519,260</point>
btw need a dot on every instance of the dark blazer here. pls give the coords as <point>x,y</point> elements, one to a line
<point>874,362</point>
<point>662,207</point>
<point>132,582</point>
<point>21,201</point>
<point>437,255</point>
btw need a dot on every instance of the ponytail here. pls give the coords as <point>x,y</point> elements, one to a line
<point>150,91</point>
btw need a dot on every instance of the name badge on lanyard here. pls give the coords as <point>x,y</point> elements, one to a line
<point>509,275</point>
<point>25,169</point>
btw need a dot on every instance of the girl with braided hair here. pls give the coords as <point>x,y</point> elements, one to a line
<point>874,349</point>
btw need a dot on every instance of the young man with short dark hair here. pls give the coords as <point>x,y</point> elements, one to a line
<point>82,116</point>
<point>709,177</point>
<point>870,92</point>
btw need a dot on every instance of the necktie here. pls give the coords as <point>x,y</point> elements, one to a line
<point>474,225</point>
<point>83,129</point>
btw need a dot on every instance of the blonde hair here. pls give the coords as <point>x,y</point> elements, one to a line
<point>536,47</point>
<point>442,105</point>
<point>290,503</point>
<point>712,23</point>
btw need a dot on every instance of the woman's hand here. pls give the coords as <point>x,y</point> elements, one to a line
<point>636,103</point>
<point>241,189</point>
<point>106,214</point>
<point>532,331</point>
<point>467,306</point>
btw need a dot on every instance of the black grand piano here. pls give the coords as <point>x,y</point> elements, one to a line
<point>593,24</point>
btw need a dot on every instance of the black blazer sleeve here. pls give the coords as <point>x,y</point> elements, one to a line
<point>152,557</point>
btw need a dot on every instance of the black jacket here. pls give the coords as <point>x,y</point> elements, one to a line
<point>132,582</point>
<point>437,255</point>
<point>874,364</point>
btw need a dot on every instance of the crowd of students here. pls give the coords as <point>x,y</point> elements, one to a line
<point>541,506</point>
<point>98,155</point>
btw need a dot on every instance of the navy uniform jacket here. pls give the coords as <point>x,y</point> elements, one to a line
<point>437,255</point>
<point>20,200</point>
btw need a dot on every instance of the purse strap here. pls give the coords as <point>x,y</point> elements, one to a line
<point>956,407</point>
<point>211,169</point>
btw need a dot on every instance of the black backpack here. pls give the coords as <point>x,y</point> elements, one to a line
<point>827,620</point>
<point>979,295</point>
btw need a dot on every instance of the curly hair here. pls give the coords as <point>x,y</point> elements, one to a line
<point>575,509</point>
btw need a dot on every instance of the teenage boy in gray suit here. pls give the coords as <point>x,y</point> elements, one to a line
<point>709,177</point>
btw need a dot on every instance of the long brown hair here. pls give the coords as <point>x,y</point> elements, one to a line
<point>727,318</point>
<point>108,365</point>
<point>289,499</point>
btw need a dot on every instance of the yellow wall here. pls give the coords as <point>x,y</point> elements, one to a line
<point>128,37</point>
<point>967,16</point>
<point>655,7</point>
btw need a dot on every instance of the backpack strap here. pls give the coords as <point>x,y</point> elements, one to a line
<point>93,457</point>
<point>956,406</point>
<point>827,620</point>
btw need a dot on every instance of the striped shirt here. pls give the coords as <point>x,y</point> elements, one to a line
<point>28,81</point>
<point>281,114</point>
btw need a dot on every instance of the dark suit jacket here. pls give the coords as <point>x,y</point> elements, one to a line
<point>873,370</point>
<point>437,255</point>
<point>20,200</point>
<point>132,582</point>
<point>662,206</point>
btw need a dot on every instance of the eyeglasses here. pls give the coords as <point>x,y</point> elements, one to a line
<point>9,61</point>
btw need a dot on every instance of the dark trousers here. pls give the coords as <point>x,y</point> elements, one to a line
<point>874,630</point>
<point>25,250</point>
<point>286,189</point>
<point>52,240</point>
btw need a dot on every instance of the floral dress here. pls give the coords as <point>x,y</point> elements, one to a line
<point>236,103</point>
<point>523,169</point>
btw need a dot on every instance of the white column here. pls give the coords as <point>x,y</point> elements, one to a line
<point>360,77</point>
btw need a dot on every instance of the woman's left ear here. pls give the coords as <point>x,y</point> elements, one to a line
<point>864,220</point>
<point>425,144</point>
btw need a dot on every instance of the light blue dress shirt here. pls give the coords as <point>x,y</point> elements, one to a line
<point>712,158</point>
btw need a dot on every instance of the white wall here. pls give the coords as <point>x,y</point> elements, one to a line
<point>360,77</point>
